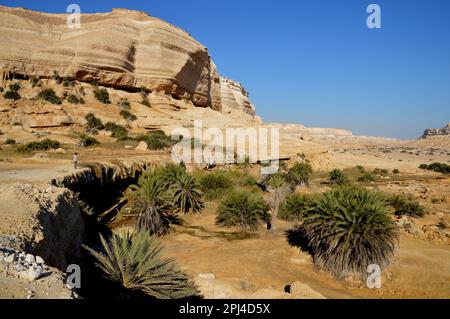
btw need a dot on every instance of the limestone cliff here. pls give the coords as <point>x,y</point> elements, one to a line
<point>122,49</point>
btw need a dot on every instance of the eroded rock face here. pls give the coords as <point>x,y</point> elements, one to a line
<point>235,98</point>
<point>122,49</point>
<point>445,131</point>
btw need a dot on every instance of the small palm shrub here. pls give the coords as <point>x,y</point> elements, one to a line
<point>296,206</point>
<point>299,173</point>
<point>366,177</point>
<point>117,131</point>
<point>86,141</point>
<point>49,95</point>
<point>347,230</point>
<point>93,122</point>
<point>102,95</point>
<point>151,202</point>
<point>186,193</point>
<point>127,115</point>
<point>215,183</point>
<point>337,177</point>
<point>243,210</point>
<point>43,145</point>
<point>405,207</point>
<point>135,263</point>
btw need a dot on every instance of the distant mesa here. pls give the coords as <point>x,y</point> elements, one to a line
<point>445,131</point>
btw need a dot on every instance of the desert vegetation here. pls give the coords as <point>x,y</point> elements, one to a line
<point>43,145</point>
<point>436,167</point>
<point>49,95</point>
<point>348,229</point>
<point>134,262</point>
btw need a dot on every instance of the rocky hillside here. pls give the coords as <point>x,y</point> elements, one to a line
<point>122,49</point>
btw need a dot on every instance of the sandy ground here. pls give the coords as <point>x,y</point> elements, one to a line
<point>420,270</point>
<point>267,261</point>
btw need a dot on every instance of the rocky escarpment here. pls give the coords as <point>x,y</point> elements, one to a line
<point>445,131</point>
<point>122,49</point>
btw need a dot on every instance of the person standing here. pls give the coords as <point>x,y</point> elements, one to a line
<point>75,160</point>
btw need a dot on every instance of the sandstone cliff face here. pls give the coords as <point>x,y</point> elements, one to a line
<point>121,49</point>
<point>235,98</point>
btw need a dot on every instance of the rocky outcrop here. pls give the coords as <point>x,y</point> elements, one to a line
<point>445,131</point>
<point>235,98</point>
<point>121,49</point>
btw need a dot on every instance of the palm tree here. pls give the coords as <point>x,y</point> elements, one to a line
<point>278,189</point>
<point>152,203</point>
<point>300,173</point>
<point>186,193</point>
<point>134,262</point>
<point>347,230</point>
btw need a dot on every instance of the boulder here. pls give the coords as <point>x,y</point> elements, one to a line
<point>302,290</point>
<point>142,146</point>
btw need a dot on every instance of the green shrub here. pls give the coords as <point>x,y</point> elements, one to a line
<point>360,168</point>
<point>296,206</point>
<point>347,230</point>
<point>10,141</point>
<point>12,95</point>
<point>243,210</point>
<point>102,95</point>
<point>145,100</point>
<point>215,183</point>
<point>439,168</point>
<point>382,172</point>
<point>337,177</point>
<point>14,87</point>
<point>395,171</point>
<point>86,141</point>
<point>124,104</point>
<point>186,193</point>
<point>117,131</point>
<point>135,262</point>
<point>49,95</point>
<point>405,207</point>
<point>366,177</point>
<point>1,89</point>
<point>156,140</point>
<point>299,174</point>
<point>94,122</point>
<point>43,145</point>
<point>423,166</point>
<point>72,99</point>
<point>127,115</point>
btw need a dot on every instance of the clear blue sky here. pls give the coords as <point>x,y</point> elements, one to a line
<point>316,62</point>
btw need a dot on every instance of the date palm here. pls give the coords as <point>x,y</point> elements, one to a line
<point>152,203</point>
<point>134,262</point>
<point>186,193</point>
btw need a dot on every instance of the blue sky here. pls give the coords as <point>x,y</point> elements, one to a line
<point>316,62</point>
